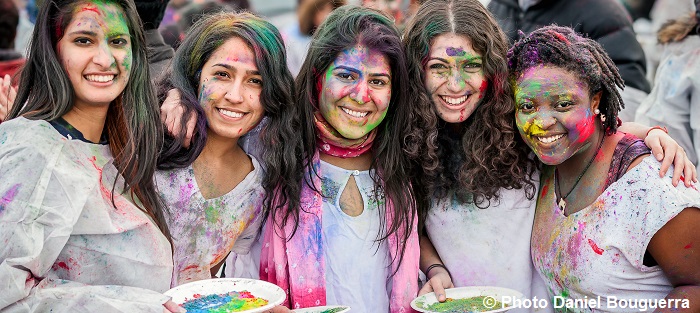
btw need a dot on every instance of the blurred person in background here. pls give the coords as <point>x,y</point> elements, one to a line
<point>10,59</point>
<point>297,36</point>
<point>604,21</point>
<point>159,53</point>
<point>173,34</point>
<point>393,8</point>
<point>674,101</point>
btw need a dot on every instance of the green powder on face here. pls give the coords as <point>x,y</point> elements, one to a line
<point>466,305</point>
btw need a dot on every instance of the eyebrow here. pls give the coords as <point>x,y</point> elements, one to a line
<point>94,34</point>
<point>354,70</point>
<point>445,60</point>
<point>233,69</point>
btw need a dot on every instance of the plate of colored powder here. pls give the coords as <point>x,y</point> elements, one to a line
<point>468,300</point>
<point>324,309</point>
<point>225,295</point>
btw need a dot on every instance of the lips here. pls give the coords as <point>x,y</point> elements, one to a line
<point>549,139</point>
<point>354,113</point>
<point>100,78</point>
<point>231,114</point>
<point>455,101</point>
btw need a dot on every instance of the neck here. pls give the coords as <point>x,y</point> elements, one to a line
<point>574,166</point>
<point>361,162</point>
<point>219,148</point>
<point>89,121</point>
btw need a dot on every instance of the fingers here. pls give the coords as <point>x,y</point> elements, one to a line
<point>438,289</point>
<point>191,122</point>
<point>427,288</point>
<point>679,164</point>
<point>171,112</point>
<point>668,154</point>
<point>172,307</point>
<point>4,96</point>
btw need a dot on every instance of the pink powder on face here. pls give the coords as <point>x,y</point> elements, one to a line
<point>482,88</point>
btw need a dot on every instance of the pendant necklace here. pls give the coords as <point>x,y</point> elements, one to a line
<point>562,199</point>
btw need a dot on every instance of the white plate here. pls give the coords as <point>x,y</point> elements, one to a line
<point>497,293</point>
<point>260,289</point>
<point>321,309</point>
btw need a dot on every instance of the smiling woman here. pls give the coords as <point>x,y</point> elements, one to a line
<point>82,226</point>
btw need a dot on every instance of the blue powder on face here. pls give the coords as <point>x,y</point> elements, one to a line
<point>455,52</point>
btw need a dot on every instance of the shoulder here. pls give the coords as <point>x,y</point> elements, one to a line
<point>29,138</point>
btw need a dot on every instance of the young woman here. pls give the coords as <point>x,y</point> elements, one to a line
<point>81,225</point>
<point>353,240</point>
<point>606,224</point>
<point>230,73</point>
<point>475,178</point>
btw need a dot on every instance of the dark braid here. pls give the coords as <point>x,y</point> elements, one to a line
<point>563,47</point>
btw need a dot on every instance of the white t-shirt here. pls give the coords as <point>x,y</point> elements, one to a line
<point>599,251</point>
<point>488,247</point>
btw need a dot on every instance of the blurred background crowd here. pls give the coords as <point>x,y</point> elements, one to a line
<point>629,30</point>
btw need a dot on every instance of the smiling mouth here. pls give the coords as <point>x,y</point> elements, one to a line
<point>100,78</point>
<point>354,113</point>
<point>231,113</point>
<point>549,139</point>
<point>451,101</point>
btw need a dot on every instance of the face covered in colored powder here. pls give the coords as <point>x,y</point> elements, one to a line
<point>229,89</point>
<point>554,112</point>
<point>355,91</point>
<point>454,77</point>
<point>95,52</point>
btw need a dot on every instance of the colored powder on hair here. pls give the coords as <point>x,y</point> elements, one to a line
<point>465,305</point>
<point>223,303</point>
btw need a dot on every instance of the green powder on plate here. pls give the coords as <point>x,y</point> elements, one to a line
<point>465,305</point>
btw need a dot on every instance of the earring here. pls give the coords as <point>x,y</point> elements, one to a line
<point>596,111</point>
<point>602,117</point>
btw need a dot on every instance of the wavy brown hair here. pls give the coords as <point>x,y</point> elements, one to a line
<point>483,154</point>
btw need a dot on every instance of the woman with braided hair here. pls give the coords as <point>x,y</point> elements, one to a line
<point>606,225</point>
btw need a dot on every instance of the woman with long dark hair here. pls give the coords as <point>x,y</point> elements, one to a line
<point>82,226</point>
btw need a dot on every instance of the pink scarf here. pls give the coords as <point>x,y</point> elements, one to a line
<point>297,265</point>
<point>332,143</point>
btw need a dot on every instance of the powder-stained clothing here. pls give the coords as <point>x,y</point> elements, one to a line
<point>599,251</point>
<point>489,246</point>
<point>675,100</point>
<point>69,243</point>
<point>204,230</point>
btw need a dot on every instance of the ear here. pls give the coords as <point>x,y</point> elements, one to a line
<point>595,101</point>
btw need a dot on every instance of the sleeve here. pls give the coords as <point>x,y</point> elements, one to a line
<point>644,204</point>
<point>37,215</point>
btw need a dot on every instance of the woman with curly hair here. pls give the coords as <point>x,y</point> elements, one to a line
<point>606,225</point>
<point>80,221</point>
<point>230,74</point>
<point>353,239</point>
<point>475,182</point>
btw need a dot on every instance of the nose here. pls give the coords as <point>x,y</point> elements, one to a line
<point>361,92</point>
<point>456,81</point>
<point>103,56</point>
<point>235,93</point>
<point>545,120</point>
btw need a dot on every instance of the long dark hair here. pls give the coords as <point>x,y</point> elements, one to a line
<point>345,28</point>
<point>484,155</point>
<point>132,125</point>
<point>282,146</point>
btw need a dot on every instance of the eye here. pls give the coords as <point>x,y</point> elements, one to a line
<point>119,42</point>
<point>565,104</point>
<point>345,76</point>
<point>472,67</point>
<point>221,74</point>
<point>256,81</point>
<point>526,106</point>
<point>82,41</point>
<point>378,82</point>
<point>438,66</point>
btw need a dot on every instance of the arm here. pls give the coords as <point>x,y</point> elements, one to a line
<point>438,278</point>
<point>7,96</point>
<point>663,147</point>
<point>676,248</point>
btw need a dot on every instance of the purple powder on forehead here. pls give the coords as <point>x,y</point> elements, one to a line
<point>451,51</point>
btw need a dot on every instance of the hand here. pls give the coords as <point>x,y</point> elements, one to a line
<point>172,307</point>
<point>171,112</point>
<point>7,96</point>
<point>667,151</point>
<point>438,283</point>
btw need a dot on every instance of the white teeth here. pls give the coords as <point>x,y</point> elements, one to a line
<point>550,139</point>
<point>355,113</point>
<point>454,101</point>
<point>100,78</point>
<point>231,113</point>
